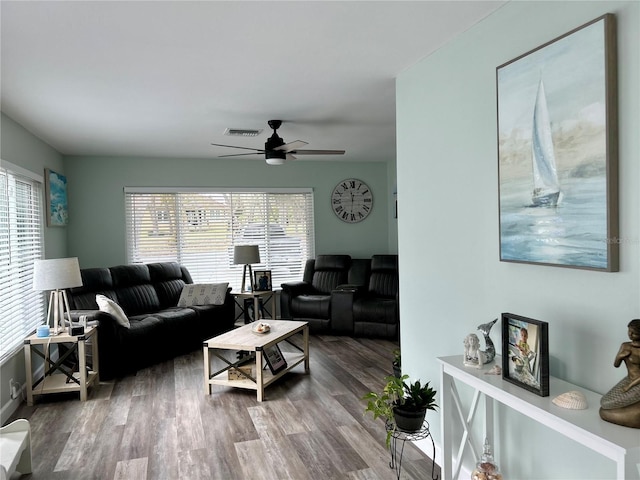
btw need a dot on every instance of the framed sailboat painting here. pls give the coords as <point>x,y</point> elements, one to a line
<point>557,151</point>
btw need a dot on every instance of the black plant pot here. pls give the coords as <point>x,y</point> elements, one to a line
<point>409,420</point>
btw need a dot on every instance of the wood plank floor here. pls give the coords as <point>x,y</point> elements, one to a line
<point>159,424</point>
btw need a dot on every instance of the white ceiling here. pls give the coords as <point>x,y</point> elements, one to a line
<point>164,79</point>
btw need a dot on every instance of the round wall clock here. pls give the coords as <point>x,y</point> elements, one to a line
<point>352,200</point>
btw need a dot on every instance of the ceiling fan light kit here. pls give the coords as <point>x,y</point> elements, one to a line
<point>276,151</point>
<point>275,161</point>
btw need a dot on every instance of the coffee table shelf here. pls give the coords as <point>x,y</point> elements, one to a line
<point>245,340</point>
<point>293,359</point>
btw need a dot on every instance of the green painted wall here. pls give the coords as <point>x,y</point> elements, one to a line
<point>21,148</point>
<point>451,278</point>
<point>96,200</point>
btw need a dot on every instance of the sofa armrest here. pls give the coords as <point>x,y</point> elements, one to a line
<point>109,326</point>
<point>357,289</point>
<point>92,315</point>
<point>342,310</point>
<point>297,288</point>
<point>289,291</point>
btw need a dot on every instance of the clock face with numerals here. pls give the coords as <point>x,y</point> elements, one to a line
<point>352,200</point>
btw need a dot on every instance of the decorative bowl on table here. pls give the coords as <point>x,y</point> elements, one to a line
<point>261,327</point>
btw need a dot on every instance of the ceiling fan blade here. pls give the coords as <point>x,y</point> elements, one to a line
<point>240,154</point>
<point>290,157</point>
<point>288,147</point>
<point>260,150</point>
<point>318,152</point>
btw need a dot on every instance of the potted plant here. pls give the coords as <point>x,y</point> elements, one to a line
<point>397,367</point>
<point>401,403</point>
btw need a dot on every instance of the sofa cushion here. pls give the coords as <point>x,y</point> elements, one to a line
<point>383,284</point>
<point>383,281</point>
<point>375,310</point>
<point>326,280</point>
<point>203,294</point>
<point>132,284</point>
<point>330,271</point>
<point>129,275</point>
<point>94,280</point>
<point>168,279</point>
<point>109,306</point>
<point>311,306</point>
<point>332,262</point>
<point>138,299</point>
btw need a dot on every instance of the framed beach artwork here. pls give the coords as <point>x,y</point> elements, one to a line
<point>557,151</point>
<point>56,194</point>
<point>525,353</point>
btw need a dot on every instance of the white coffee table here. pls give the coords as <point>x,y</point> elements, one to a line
<point>244,339</point>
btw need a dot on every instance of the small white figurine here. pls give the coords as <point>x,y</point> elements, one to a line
<point>473,356</point>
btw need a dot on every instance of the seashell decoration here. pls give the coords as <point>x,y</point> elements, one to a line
<point>573,400</point>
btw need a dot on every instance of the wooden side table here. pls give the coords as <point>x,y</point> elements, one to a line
<point>257,295</point>
<point>58,377</point>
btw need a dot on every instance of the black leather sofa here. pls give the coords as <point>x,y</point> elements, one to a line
<point>344,296</point>
<point>148,294</point>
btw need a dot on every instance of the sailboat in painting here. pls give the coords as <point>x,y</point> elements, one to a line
<point>546,188</point>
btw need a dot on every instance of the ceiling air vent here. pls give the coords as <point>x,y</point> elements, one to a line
<point>242,132</point>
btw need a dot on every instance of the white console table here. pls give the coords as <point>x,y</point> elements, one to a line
<point>620,444</point>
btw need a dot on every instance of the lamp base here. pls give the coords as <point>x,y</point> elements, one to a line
<point>244,279</point>
<point>58,306</point>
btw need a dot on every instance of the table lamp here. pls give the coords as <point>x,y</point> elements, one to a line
<point>246,255</point>
<point>56,274</point>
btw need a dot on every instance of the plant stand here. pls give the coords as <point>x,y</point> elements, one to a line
<point>401,436</point>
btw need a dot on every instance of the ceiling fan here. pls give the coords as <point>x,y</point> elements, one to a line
<point>276,152</point>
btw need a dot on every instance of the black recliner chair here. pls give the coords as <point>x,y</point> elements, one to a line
<point>375,311</point>
<point>310,299</point>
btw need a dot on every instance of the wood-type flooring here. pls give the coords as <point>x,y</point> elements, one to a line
<point>159,424</point>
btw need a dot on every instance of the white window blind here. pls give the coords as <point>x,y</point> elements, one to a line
<point>199,229</point>
<point>21,308</point>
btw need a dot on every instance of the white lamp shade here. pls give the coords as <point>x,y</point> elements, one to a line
<point>246,254</point>
<point>56,273</point>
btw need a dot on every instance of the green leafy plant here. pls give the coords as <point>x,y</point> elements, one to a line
<point>381,404</point>
<point>397,363</point>
<point>399,393</point>
<point>397,359</point>
<point>418,396</point>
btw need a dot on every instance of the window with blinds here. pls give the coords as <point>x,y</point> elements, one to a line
<point>21,243</point>
<point>199,228</point>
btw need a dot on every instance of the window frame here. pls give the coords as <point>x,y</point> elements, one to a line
<point>20,315</point>
<point>176,207</point>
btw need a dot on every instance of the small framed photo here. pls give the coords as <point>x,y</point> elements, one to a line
<point>525,353</point>
<point>262,281</point>
<point>275,359</point>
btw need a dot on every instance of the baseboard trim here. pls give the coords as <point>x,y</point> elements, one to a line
<point>11,406</point>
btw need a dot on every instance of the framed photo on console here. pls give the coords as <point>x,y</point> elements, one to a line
<point>275,359</point>
<point>262,281</point>
<point>525,353</point>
